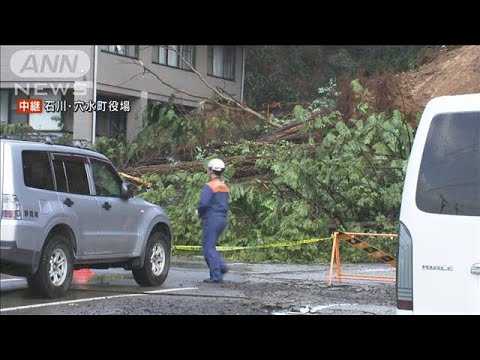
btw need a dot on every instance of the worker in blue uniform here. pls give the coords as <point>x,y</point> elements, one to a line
<point>212,209</point>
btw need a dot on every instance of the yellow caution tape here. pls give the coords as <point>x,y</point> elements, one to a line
<point>266,246</point>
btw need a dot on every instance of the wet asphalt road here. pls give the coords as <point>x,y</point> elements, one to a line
<point>257,289</point>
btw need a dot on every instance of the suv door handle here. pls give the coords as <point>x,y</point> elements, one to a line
<point>106,206</point>
<point>475,270</point>
<point>68,202</point>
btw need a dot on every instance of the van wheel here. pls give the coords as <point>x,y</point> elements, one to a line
<point>55,271</point>
<point>157,261</point>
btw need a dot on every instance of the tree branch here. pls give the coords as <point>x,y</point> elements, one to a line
<point>147,70</point>
<point>223,94</point>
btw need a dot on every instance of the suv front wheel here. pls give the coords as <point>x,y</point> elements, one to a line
<point>156,263</point>
<point>54,274</point>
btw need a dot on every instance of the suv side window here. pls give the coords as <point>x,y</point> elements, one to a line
<point>449,177</point>
<point>107,182</point>
<point>77,180</point>
<point>60,176</point>
<point>37,172</point>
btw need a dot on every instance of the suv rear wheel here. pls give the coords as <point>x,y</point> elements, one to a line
<point>157,261</point>
<point>54,274</point>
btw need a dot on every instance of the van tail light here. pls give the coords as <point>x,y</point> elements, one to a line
<point>11,207</point>
<point>404,269</point>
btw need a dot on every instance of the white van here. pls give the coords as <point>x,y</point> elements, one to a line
<point>438,269</point>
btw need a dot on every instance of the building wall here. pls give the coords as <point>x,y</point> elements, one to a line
<point>79,122</point>
<point>121,77</point>
<point>7,51</point>
<point>135,116</point>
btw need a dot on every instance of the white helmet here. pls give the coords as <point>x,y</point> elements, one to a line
<point>216,165</point>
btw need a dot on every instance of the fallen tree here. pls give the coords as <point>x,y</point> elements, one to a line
<point>244,162</point>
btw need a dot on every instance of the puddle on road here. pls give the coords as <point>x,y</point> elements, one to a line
<point>309,310</point>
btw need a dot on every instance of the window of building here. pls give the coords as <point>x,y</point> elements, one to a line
<point>111,123</point>
<point>13,116</point>
<point>47,121</point>
<point>4,109</point>
<point>123,50</point>
<point>221,61</point>
<point>166,55</point>
<point>44,121</point>
<point>37,172</point>
<point>449,176</point>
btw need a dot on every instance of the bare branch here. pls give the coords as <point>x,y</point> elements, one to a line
<point>130,78</point>
<point>223,94</point>
<point>200,76</point>
<point>250,111</point>
<point>147,70</point>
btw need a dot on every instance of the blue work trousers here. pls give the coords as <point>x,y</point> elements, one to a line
<point>213,227</point>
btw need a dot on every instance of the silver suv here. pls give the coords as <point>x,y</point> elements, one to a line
<point>66,208</point>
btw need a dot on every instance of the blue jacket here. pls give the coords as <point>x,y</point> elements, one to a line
<point>214,199</point>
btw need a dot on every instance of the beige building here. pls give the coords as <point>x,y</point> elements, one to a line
<point>107,87</point>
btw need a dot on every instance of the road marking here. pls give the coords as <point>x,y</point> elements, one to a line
<point>375,270</point>
<point>169,290</point>
<point>5,280</point>
<point>90,299</point>
<point>67,302</point>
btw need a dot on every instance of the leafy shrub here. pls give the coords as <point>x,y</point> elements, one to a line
<point>348,174</point>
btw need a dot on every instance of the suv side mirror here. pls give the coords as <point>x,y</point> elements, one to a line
<point>127,190</point>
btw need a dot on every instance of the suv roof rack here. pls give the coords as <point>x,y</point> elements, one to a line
<point>46,139</point>
<point>27,137</point>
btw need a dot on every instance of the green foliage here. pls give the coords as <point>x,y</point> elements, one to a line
<point>162,120</point>
<point>168,134</point>
<point>119,150</point>
<point>300,114</point>
<point>15,129</point>
<point>328,97</point>
<point>290,73</point>
<point>163,131</point>
<point>63,139</point>
<point>356,86</point>
<point>179,194</point>
<point>348,174</point>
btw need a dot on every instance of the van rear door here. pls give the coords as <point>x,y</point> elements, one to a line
<point>2,152</point>
<point>441,208</point>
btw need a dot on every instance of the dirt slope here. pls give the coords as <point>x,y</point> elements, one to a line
<point>451,73</point>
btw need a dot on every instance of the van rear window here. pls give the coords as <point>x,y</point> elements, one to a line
<point>449,177</point>
<point>37,172</point>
